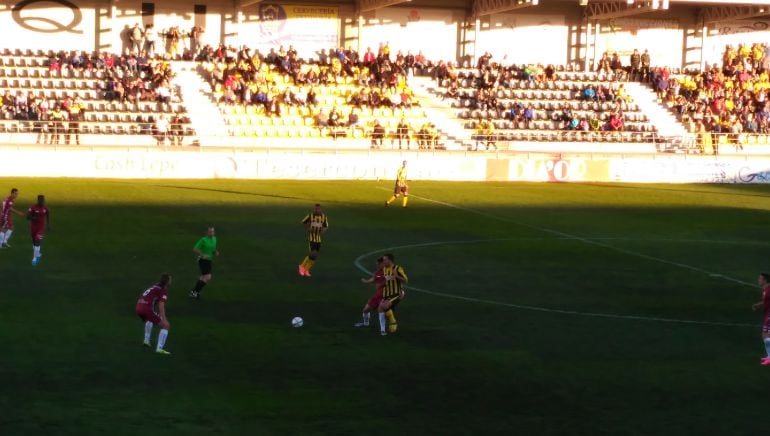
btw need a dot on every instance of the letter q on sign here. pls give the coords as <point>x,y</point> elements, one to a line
<point>47,17</point>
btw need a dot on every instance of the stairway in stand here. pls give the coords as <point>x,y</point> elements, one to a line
<point>205,117</point>
<point>453,135</point>
<point>671,131</point>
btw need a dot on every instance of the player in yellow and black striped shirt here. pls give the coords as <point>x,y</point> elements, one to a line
<point>392,293</point>
<point>316,224</point>
<point>401,187</point>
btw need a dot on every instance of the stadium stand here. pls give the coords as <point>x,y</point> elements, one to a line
<point>66,97</point>
<point>725,106</point>
<point>343,96</point>
<point>536,103</point>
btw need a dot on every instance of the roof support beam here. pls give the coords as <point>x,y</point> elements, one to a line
<point>246,3</point>
<point>489,7</point>
<point>619,9</point>
<point>372,5</point>
<point>716,14</point>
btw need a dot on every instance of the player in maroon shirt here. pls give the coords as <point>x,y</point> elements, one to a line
<point>38,216</point>
<point>6,223</point>
<point>764,283</point>
<point>145,309</point>
<point>378,278</point>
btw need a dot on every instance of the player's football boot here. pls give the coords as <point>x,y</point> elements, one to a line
<point>162,351</point>
<point>301,270</point>
<point>382,333</point>
<point>361,324</point>
<point>194,295</point>
<point>392,328</point>
<point>6,245</point>
<point>35,261</point>
<point>765,361</point>
<point>307,273</point>
<point>146,344</point>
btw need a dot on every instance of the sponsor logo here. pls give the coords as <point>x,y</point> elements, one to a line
<point>46,19</point>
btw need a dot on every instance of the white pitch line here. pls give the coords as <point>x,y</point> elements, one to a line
<point>587,241</point>
<point>359,265</point>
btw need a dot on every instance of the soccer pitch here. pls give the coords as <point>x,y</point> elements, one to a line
<point>532,309</point>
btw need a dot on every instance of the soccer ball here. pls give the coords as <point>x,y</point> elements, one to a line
<point>297,322</point>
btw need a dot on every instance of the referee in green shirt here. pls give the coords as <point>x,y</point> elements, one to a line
<point>206,249</point>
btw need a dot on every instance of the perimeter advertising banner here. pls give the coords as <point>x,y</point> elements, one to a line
<point>306,27</point>
<point>303,165</point>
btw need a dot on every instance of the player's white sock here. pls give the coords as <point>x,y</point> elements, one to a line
<point>383,322</point>
<point>36,251</point>
<point>767,346</point>
<point>8,234</point>
<point>2,237</point>
<point>365,317</point>
<point>162,338</point>
<point>147,331</point>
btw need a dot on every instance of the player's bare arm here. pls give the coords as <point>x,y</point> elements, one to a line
<point>162,310</point>
<point>401,277</point>
<point>200,253</point>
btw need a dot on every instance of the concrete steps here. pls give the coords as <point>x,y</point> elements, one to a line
<point>206,119</point>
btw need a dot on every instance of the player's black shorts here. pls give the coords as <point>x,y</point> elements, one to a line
<point>205,265</point>
<point>314,246</point>
<point>400,189</point>
<point>394,300</point>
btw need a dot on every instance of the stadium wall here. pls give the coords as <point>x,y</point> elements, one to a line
<point>136,163</point>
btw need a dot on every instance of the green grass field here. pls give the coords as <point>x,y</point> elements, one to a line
<point>468,358</point>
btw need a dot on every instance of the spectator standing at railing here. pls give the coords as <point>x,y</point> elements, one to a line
<point>402,133</point>
<point>636,63</point>
<point>57,125</point>
<point>616,65</point>
<point>646,63</point>
<point>42,128</point>
<point>161,129</point>
<point>604,65</point>
<point>150,38</point>
<point>75,110</point>
<point>177,128</point>
<point>196,33</point>
<point>136,36</point>
<point>377,135</point>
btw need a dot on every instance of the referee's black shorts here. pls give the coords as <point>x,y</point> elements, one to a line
<point>205,266</point>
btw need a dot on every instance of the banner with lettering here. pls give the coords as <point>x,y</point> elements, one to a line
<point>306,27</point>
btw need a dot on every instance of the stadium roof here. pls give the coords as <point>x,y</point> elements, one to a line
<point>594,9</point>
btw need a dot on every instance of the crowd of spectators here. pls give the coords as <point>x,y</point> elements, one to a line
<point>57,119</point>
<point>730,100</point>
<point>489,79</point>
<point>275,81</point>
